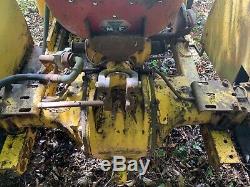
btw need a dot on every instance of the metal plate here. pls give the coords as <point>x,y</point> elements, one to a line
<point>124,46</point>
<point>219,146</point>
<point>214,96</point>
<point>242,93</point>
<point>21,99</point>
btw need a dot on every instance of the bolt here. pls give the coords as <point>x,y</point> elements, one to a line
<point>225,83</point>
<point>128,103</point>
<point>235,106</point>
<point>247,85</point>
<point>100,131</point>
<point>247,158</point>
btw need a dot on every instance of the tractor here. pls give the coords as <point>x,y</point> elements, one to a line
<point>93,78</point>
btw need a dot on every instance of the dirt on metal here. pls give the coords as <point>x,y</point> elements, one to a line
<point>182,162</point>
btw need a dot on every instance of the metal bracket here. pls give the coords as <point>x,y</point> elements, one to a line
<point>242,92</point>
<point>215,96</point>
<point>220,147</point>
<point>132,84</point>
<point>21,99</point>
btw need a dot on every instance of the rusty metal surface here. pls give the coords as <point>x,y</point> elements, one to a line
<point>53,36</point>
<point>32,63</point>
<point>118,48</point>
<point>21,99</point>
<point>214,96</point>
<point>118,79</point>
<point>57,37</point>
<point>242,94</point>
<point>172,111</point>
<point>65,104</point>
<point>16,151</point>
<point>219,146</point>
<point>85,17</point>
<point>61,60</point>
<point>124,46</point>
<point>132,88</point>
<point>117,132</point>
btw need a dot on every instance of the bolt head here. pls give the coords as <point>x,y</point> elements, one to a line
<point>235,106</point>
<point>225,83</point>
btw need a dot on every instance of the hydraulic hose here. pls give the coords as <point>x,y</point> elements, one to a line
<point>76,70</point>
<point>179,96</point>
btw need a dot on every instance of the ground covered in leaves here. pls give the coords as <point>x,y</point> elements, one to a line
<point>182,162</point>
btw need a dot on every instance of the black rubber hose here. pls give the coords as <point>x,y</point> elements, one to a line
<point>172,87</point>
<point>76,70</point>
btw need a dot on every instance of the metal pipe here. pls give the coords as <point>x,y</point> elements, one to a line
<point>46,28</point>
<point>46,59</point>
<point>64,104</point>
<point>76,70</point>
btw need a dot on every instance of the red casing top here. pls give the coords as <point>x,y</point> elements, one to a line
<point>87,17</point>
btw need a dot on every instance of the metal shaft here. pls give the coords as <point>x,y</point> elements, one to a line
<point>64,104</point>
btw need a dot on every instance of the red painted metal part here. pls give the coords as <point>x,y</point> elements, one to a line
<point>82,16</point>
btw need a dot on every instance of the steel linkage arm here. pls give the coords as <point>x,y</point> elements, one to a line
<point>217,106</point>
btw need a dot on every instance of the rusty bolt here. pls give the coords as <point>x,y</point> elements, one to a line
<point>100,131</point>
<point>66,59</point>
<point>235,106</point>
<point>225,83</point>
<point>247,85</point>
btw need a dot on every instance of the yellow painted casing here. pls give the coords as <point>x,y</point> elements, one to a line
<point>15,38</point>
<point>227,37</point>
<point>41,7</point>
<point>124,134</point>
<point>220,147</point>
<point>16,150</point>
